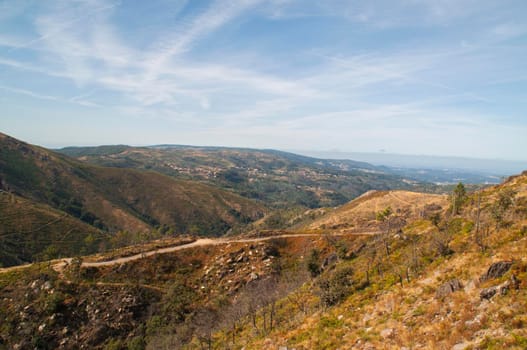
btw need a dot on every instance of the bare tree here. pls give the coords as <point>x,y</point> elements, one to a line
<point>295,289</point>
<point>390,225</point>
<point>411,258</point>
<point>443,237</point>
<point>233,315</point>
<point>371,257</point>
<point>205,322</point>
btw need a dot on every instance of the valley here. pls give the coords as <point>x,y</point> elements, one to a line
<point>366,274</point>
<point>112,196</point>
<point>263,175</point>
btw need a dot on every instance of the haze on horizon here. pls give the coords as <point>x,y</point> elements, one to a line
<point>410,77</point>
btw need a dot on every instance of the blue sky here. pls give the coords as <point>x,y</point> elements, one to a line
<point>436,77</point>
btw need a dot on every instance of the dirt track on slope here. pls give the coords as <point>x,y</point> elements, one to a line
<point>59,265</point>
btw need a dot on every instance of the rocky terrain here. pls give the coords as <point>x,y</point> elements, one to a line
<point>431,277</point>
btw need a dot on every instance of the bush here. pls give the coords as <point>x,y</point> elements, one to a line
<point>313,263</point>
<point>53,303</point>
<point>335,286</point>
<point>137,343</point>
<point>154,324</point>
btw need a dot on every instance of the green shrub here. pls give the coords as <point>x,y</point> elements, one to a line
<point>313,263</point>
<point>114,344</point>
<point>137,343</point>
<point>154,324</point>
<point>335,286</point>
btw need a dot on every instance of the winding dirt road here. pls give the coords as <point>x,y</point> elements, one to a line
<point>60,264</point>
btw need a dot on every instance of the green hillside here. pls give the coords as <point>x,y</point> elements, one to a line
<point>31,231</point>
<point>279,179</point>
<point>113,199</point>
<point>432,276</point>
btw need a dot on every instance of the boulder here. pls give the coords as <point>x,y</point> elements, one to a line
<point>329,261</point>
<point>448,288</point>
<point>496,270</point>
<point>502,289</point>
<point>488,293</point>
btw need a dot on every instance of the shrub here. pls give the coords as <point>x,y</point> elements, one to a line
<point>137,343</point>
<point>313,263</point>
<point>335,286</point>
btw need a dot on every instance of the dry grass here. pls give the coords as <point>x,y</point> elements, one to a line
<point>360,214</point>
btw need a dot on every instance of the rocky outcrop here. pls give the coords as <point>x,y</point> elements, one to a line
<point>496,270</point>
<point>448,288</point>
<point>231,270</point>
<point>329,261</point>
<point>502,289</point>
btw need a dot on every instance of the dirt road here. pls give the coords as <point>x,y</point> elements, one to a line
<point>60,264</point>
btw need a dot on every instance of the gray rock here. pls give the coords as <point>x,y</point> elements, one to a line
<point>460,346</point>
<point>488,293</point>
<point>330,261</point>
<point>496,270</point>
<point>448,288</point>
<point>502,289</point>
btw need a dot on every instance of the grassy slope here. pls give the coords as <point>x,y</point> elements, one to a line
<point>360,214</point>
<point>32,231</point>
<point>399,306</point>
<point>112,199</point>
<point>199,292</point>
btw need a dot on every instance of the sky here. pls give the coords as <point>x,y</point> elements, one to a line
<point>437,77</point>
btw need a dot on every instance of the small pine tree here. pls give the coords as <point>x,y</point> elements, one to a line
<point>313,263</point>
<point>459,196</point>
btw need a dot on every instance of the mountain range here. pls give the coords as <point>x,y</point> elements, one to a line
<point>83,200</point>
<point>390,269</point>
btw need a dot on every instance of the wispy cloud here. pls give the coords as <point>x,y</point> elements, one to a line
<point>79,100</point>
<point>217,15</point>
<point>307,68</point>
<point>60,27</point>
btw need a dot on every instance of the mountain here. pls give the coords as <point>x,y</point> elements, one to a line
<point>112,199</point>
<point>430,276</point>
<point>279,179</point>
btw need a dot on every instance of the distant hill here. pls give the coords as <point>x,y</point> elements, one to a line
<point>110,199</point>
<point>436,169</point>
<point>280,179</point>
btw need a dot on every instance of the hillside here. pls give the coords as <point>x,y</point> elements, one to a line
<point>440,279</point>
<point>471,296</point>
<point>362,214</point>
<point>279,179</point>
<point>32,231</point>
<point>113,199</point>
